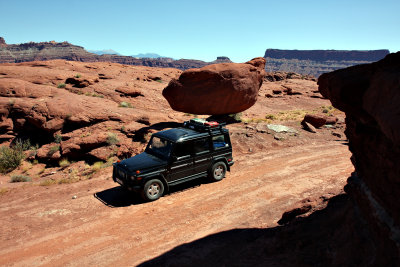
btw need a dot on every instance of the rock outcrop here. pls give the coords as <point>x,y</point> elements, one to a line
<point>316,62</point>
<point>370,96</point>
<point>79,111</point>
<point>217,89</point>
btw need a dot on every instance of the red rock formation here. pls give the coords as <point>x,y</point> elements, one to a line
<point>217,89</point>
<point>370,96</point>
<point>2,42</point>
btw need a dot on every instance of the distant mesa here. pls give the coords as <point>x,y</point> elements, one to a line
<point>15,53</point>
<point>147,55</point>
<point>222,60</point>
<point>316,62</point>
<point>104,52</point>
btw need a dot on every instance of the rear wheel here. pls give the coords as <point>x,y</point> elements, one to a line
<point>152,190</point>
<point>217,172</point>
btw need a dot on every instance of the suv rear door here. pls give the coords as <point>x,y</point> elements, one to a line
<point>221,146</point>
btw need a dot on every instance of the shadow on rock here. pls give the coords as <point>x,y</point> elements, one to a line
<point>117,197</point>
<point>334,236</point>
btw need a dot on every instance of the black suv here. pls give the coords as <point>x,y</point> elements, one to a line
<point>198,149</point>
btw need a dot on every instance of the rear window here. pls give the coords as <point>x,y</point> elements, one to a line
<point>219,141</point>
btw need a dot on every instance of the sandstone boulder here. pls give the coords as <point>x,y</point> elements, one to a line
<point>318,120</point>
<point>217,89</point>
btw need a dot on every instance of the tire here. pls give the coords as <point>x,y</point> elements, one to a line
<point>152,190</point>
<point>217,171</point>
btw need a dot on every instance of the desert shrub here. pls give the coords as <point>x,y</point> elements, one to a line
<point>159,80</point>
<point>64,163</point>
<point>97,165</point>
<point>78,75</point>
<point>270,117</point>
<point>108,163</point>
<point>125,105</point>
<point>236,116</point>
<point>112,139</point>
<point>20,178</point>
<point>53,150</point>
<point>24,145</point>
<point>10,158</point>
<point>61,85</point>
<point>57,138</point>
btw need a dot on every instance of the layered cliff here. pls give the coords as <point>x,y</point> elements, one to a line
<point>14,53</point>
<point>316,62</point>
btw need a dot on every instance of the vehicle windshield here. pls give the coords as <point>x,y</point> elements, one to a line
<point>159,147</point>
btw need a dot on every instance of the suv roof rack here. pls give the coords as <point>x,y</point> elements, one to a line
<point>202,125</point>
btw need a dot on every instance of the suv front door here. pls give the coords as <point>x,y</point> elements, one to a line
<point>182,162</point>
<point>202,155</point>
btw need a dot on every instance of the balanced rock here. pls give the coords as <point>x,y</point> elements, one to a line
<point>217,89</point>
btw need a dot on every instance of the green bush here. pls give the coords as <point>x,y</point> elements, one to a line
<point>236,116</point>
<point>10,158</point>
<point>57,138</point>
<point>53,150</point>
<point>78,75</point>
<point>125,105</point>
<point>61,85</point>
<point>20,178</point>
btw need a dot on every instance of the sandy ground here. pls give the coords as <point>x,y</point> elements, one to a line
<point>106,226</point>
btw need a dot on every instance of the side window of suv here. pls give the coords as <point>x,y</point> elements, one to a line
<point>201,145</point>
<point>219,141</point>
<point>183,149</point>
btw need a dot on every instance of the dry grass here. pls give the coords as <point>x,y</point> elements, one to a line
<point>48,182</point>
<point>3,191</point>
<point>293,115</point>
<point>64,163</point>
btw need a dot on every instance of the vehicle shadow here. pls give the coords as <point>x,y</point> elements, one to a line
<point>186,186</point>
<point>118,197</point>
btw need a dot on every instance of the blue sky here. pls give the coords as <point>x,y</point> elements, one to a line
<point>205,29</point>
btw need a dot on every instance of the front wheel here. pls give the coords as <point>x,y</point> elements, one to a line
<point>217,172</point>
<point>152,190</point>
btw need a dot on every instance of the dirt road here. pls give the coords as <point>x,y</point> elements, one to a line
<point>104,226</point>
